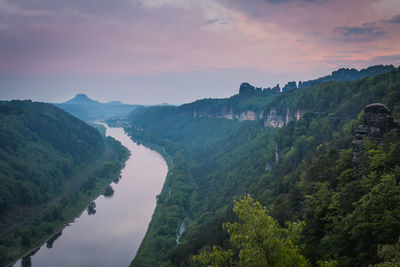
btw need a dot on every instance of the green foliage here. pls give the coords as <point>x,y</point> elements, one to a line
<point>40,148</point>
<point>215,160</point>
<point>26,239</point>
<point>258,240</point>
<point>236,104</point>
<point>390,254</point>
<point>3,255</point>
<point>45,155</point>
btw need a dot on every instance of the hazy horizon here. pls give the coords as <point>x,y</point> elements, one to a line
<point>177,51</point>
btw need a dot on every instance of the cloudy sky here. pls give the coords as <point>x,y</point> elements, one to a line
<point>176,51</point>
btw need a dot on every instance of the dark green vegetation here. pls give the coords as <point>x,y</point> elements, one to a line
<point>257,240</point>
<point>52,166</point>
<point>89,110</point>
<point>301,171</point>
<point>40,147</point>
<point>345,74</point>
<point>249,98</point>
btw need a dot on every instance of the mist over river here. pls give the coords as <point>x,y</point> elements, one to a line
<point>111,236</point>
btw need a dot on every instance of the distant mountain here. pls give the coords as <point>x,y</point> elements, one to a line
<point>87,109</point>
<point>164,104</point>
<point>82,99</point>
<point>114,103</point>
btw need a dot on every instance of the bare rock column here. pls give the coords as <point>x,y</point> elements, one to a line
<point>375,123</point>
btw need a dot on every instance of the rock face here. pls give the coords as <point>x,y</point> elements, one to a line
<point>225,113</point>
<point>289,87</point>
<point>273,119</point>
<point>375,123</point>
<point>246,88</point>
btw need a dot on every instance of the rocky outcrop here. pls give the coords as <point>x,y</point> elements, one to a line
<point>375,123</point>
<point>247,115</point>
<point>246,88</point>
<point>273,119</point>
<point>289,87</point>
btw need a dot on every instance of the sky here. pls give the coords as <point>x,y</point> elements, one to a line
<point>177,51</point>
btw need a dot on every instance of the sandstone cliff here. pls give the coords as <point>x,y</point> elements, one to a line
<point>375,123</point>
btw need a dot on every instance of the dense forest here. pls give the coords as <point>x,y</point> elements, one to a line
<point>52,164</point>
<point>346,74</point>
<point>301,172</point>
<point>40,147</point>
<point>251,102</point>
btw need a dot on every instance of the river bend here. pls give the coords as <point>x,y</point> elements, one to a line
<point>111,237</point>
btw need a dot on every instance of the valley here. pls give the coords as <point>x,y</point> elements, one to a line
<point>120,219</point>
<point>309,174</point>
<point>176,133</point>
<point>48,176</point>
<point>307,156</point>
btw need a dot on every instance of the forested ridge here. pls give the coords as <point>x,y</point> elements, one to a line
<point>40,147</point>
<point>302,171</point>
<point>52,165</point>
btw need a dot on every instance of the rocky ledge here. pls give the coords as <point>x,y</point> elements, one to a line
<point>375,123</point>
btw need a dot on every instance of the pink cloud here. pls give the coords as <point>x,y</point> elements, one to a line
<point>147,37</point>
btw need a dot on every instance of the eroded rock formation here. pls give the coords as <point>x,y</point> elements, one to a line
<point>375,123</point>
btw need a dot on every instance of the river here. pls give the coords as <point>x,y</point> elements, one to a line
<point>111,236</point>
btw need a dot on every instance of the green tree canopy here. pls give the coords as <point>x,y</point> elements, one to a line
<point>257,240</point>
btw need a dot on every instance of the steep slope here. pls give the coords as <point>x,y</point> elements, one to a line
<point>51,166</point>
<point>247,105</point>
<point>90,110</point>
<point>40,146</point>
<point>252,103</point>
<point>285,167</point>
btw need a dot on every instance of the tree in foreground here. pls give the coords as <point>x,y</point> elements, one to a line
<point>257,240</point>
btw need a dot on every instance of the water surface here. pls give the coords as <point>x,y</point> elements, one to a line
<point>111,236</point>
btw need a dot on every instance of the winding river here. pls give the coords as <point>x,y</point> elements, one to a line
<point>111,236</point>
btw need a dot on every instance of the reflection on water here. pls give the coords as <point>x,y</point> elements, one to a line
<point>116,180</point>
<point>112,236</point>
<point>26,261</point>
<point>109,192</point>
<point>91,209</point>
<point>49,243</point>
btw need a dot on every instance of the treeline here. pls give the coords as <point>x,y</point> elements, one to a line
<point>345,74</point>
<point>340,100</point>
<point>300,171</point>
<point>236,104</point>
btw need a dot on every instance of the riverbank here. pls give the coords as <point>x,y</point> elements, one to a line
<point>84,187</point>
<point>119,223</point>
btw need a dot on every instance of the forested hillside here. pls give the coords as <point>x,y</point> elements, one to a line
<point>251,103</point>
<point>46,156</point>
<point>302,170</point>
<point>247,105</point>
<point>40,146</point>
